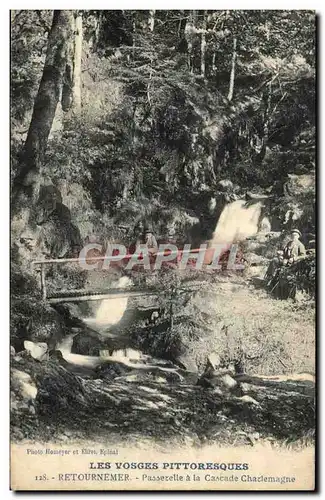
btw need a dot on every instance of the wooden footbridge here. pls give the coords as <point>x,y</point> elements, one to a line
<point>82,295</point>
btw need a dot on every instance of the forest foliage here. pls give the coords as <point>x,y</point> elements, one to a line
<point>155,109</point>
<point>171,102</point>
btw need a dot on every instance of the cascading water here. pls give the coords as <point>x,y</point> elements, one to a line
<point>109,313</point>
<point>237,222</point>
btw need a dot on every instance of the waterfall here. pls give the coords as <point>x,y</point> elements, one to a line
<point>110,311</point>
<point>237,222</point>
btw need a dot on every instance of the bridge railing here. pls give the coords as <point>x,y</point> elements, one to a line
<point>43,263</point>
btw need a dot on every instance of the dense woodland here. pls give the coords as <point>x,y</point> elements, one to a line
<point>150,109</point>
<point>120,117</point>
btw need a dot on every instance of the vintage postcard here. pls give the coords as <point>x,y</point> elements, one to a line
<point>163,246</point>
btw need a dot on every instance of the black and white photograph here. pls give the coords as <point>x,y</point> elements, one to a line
<point>163,246</point>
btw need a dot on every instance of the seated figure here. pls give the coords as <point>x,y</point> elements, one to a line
<point>292,251</point>
<point>147,238</point>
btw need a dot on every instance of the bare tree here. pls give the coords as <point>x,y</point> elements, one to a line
<point>203,44</point>
<point>77,63</point>
<point>151,21</point>
<point>71,92</point>
<point>232,72</point>
<point>189,32</point>
<point>266,122</point>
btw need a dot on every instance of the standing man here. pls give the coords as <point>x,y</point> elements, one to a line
<point>147,238</point>
<point>150,240</point>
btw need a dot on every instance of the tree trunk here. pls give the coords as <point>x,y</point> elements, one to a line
<point>265,137</point>
<point>129,181</point>
<point>214,63</point>
<point>203,44</point>
<point>189,36</point>
<point>181,32</point>
<point>76,103</point>
<point>133,38</point>
<point>181,24</point>
<point>151,21</point>
<point>232,73</point>
<point>71,92</point>
<point>27,183</point>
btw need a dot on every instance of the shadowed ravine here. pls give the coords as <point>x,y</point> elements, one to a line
<point>108,378</point>
<point>191,128</point>
<point>130,394</point>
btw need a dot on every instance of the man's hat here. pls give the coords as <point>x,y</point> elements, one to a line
<point>296,231</point>
<point>148,229</point>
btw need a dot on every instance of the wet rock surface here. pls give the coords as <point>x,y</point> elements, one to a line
<point>156,399</point>
<point>142,377</point>
<point>88,343</point>
<point>35,321</point>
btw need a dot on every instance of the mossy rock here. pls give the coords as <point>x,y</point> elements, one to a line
<point>36,321</point>
<point>88,344</point>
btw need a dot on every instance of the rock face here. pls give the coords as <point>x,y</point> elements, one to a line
<point>58,236</point>
<point>88,343</point>
<point>36,322</point>
<point>155,399</point>
<point>186,362</point>
<point>112,369</point>
<point>23,392</point>
<point>216,377</point>
<point>37,350</point>
<point>300,184</point>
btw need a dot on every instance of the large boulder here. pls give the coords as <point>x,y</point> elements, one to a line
<point>23,386</point>
<point>300,184</point>
<point>37,350</point>
<point>61,392</point>
<point>88,343</point>
<point>112,369</point>
<point>187,362</point>
<point>35,321</point>
<point>59,237</point>
<point>254,259</point>
<point>23,392</point>
<point>216,377</point>
<point>225,185</point>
